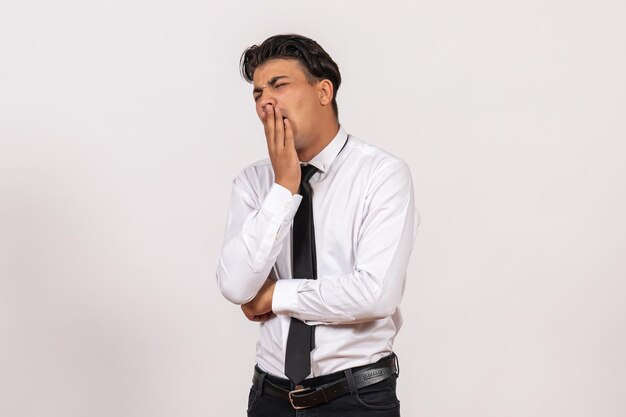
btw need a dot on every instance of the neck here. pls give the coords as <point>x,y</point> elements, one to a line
<point>322,138</point>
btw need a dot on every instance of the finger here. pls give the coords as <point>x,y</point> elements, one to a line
<point>263,116</point>
<point>289,142</point>
<point>265,317</point>
<point>279,133</point>
<point>269,127</point>
<point>247,311</point>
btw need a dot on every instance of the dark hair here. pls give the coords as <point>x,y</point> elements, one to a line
<point>317,64</point>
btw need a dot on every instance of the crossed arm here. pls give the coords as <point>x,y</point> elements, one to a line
<point>255,236</point>
<point>372,290</point>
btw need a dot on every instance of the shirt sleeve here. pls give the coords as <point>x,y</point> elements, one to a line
<point>374,288</point>
<point>254,237</point>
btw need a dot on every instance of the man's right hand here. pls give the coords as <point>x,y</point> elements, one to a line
<point>281,148</point>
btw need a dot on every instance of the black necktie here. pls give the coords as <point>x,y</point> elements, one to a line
<point>300,340</point>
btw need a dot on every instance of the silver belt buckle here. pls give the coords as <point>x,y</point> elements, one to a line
<point>299,389</point>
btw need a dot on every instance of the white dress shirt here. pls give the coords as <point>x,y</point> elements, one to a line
<point>365,226</point>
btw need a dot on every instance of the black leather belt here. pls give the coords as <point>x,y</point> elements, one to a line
<point>308,396</point>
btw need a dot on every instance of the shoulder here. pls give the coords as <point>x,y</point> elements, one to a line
<point>255,171</point>
<point>387,181</point>
<point>378,162</point>
<point>255,178</point>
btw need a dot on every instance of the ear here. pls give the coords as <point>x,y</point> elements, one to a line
<point>325,92</point>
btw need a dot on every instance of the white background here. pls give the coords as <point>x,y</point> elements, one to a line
<point>122,124</point>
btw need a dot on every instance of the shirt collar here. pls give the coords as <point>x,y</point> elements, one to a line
<point>325,158</point>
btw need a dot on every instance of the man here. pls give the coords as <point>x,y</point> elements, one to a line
<point>317,244</point>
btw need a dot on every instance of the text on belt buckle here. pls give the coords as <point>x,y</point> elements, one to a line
<point>299,389</point>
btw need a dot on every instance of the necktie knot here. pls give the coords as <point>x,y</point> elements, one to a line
<point>307,172</point>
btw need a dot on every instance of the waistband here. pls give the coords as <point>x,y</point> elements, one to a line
<point>324,379</point>
<point>323,389</point>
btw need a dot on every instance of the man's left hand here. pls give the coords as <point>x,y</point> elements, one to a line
<point>260,307</point>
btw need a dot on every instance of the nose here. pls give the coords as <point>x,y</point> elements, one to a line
<point>266,98</point>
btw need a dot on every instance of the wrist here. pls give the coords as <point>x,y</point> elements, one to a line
<point>290,185</point>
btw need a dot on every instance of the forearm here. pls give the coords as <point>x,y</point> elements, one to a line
<point>370,292</point>
<point>252,245</point>
<point>351,298</point>
<point>238,277</point>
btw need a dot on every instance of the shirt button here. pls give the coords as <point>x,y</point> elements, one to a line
<point>287,205</point>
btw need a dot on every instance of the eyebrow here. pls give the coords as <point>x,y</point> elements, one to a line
<point>271,83</point>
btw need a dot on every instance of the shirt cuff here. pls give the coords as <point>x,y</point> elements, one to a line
<point>285,298</point>
<point>280,201</point>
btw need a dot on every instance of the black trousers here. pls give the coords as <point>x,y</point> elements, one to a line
<point>377,400</point>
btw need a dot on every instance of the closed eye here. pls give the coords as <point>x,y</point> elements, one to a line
<point>258,92</point>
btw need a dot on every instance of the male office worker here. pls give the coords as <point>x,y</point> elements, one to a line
<point>317,242</point>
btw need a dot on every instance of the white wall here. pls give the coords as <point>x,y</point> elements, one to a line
<point>122,124</point>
